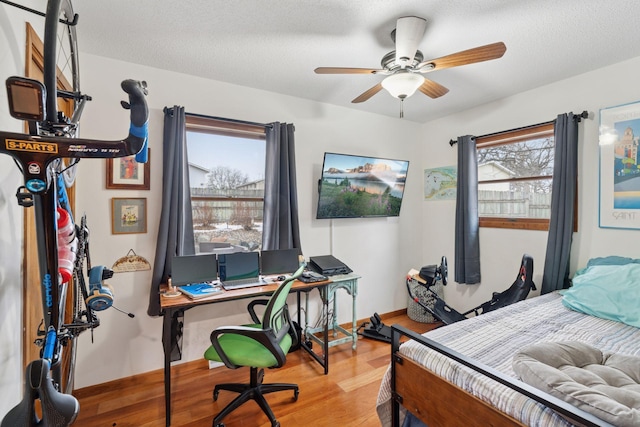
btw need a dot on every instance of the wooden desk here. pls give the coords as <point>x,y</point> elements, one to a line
<point>174,308</point>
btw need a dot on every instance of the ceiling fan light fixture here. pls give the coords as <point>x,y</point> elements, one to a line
<point>402,85</point>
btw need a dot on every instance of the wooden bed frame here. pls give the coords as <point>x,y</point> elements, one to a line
<point>438,402</point>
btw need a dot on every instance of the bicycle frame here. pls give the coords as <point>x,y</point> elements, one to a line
<point>34,155</point>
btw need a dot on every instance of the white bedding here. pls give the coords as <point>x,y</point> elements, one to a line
<point>493,338</point>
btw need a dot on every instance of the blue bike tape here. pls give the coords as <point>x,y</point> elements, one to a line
<point>141,132</point>
<point>50,343</point>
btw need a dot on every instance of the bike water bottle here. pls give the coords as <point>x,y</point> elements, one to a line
<point>67,245</point>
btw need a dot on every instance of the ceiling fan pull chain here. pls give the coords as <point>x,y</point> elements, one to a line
<point>401,108</point>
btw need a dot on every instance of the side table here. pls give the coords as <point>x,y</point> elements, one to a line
<point>348,282</point>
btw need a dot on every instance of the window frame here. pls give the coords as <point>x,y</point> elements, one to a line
<point>224,127</point>
<point>542,130</point>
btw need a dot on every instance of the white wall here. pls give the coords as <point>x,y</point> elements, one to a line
<point>501,250</point>
<point>12,52</point>
<point>381,250</point>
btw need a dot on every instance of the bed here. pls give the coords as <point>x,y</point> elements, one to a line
<point>440,391</point>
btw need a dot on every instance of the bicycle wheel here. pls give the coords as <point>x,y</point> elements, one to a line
<point>61,69</point>
<point>62,81</point>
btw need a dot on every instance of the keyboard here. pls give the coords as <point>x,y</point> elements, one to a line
<point>242,283</point>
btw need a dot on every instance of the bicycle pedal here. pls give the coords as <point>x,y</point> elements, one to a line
<point>25,199</point>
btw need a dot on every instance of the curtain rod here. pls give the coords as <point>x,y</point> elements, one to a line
<point>578,117</point>
<point>223,119</point>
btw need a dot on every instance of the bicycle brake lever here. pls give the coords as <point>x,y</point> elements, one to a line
<point>139,116</point>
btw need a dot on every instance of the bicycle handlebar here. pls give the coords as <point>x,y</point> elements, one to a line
<point>137,91</point>
<point>35,153</point>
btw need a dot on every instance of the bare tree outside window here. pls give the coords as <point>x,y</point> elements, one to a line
<point>525,159</point>
<point>226,178</point>
<point>515,177</point>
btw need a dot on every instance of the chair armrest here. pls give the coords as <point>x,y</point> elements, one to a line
<point>263,336</point>
<point>252,311</point>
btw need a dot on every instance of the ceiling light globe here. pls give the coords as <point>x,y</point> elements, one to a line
<point>402,85</point>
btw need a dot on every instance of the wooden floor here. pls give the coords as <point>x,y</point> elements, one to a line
<point>345,397</point>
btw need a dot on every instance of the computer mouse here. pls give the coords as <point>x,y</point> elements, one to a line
<point>280,278</point>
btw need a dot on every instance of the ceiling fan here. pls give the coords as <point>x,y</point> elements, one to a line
<point>405,66</point>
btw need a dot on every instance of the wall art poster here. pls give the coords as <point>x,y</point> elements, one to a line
<point>440,183</point>
<point>619,167</point>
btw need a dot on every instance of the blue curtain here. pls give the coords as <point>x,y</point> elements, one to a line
<point>281,228</point>
<point>467,241</point>
<point>565,175</point>
<point>175,232</point>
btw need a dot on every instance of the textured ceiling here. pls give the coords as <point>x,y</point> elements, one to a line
<point>276,45</point>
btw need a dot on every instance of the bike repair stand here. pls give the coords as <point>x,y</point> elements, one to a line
<point>377,330</point>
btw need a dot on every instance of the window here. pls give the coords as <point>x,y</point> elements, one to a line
<point>515,175</point>
<point>226,176</point>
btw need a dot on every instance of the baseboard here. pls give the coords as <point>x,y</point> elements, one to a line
<point>213,364</point>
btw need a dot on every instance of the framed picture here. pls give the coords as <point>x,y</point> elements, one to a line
<point>125,173</point>
<point>619,167</point>
<point>440,183</point>
<point>128,215</point>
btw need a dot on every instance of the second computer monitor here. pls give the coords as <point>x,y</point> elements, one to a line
<point>239,265</point>
<point>189,269</point>
<point>279,261</point>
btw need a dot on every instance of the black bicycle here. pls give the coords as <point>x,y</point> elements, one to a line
<point>47,156</point>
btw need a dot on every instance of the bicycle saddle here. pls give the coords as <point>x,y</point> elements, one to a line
<point>58,409</point>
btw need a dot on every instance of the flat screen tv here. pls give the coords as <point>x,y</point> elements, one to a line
<point>359,186</point>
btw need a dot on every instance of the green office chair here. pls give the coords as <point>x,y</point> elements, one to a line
<point>263,344</point>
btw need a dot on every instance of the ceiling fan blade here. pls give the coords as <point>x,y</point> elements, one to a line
<point>432,89</point>
<point>368,94</point>
<point>346,70</point>
<point>408,34</point>
<point>470,56</point>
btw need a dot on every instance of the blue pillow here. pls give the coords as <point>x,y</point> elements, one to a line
<point>607,291</point>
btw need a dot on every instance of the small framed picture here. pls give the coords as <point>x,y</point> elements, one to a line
<point>128,216</point>
<point>124,173</point>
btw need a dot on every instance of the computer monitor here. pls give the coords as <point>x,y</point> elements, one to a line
<point>279,261</point>
<point>239,265</point>
<point>188,269</point>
